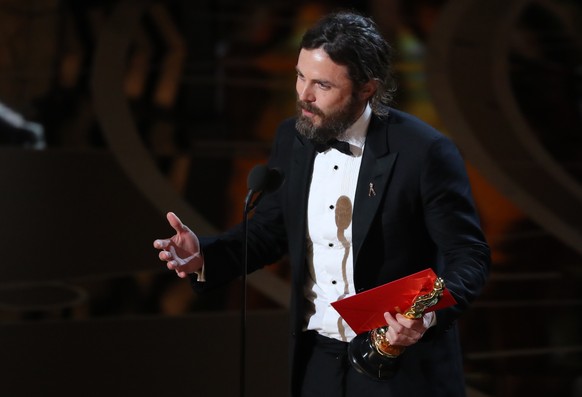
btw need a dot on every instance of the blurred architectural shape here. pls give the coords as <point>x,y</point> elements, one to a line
<point>16,130</point>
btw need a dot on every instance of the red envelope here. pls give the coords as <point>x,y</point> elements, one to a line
<point>365,311</point>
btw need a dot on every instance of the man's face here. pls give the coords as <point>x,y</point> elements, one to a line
<point>326,101</point>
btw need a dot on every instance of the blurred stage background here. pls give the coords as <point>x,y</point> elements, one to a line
<point>114,112</point>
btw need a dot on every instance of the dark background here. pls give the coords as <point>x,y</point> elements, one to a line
<point>114,112</point>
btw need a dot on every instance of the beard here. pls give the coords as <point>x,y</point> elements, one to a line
<point>332,125</point>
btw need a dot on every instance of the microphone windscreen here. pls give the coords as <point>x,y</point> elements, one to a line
<point>257,178</point>
<point>263,178</point>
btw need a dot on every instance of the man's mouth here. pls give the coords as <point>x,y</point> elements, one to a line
<point>309,111</point>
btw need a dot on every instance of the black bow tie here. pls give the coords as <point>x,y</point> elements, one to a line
<point>342,146</point>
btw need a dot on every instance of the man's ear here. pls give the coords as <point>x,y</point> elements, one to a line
<point>368,90</point>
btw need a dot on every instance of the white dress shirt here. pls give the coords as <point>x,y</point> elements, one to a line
<point>329,231</point>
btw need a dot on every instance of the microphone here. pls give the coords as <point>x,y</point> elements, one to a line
<point>262,179</point>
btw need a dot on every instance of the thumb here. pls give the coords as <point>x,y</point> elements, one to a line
<point>175,222</point>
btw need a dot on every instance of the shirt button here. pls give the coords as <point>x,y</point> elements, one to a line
<point>331,207</point>
<point>330,244</point>
<point>335,167</point>
<point>334,282</point>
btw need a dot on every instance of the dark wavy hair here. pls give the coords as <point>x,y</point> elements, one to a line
<point>353,40</point>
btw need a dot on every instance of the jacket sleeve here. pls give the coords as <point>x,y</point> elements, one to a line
<point>453,224</point>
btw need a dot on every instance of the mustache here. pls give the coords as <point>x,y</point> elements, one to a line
<point>310,108</point>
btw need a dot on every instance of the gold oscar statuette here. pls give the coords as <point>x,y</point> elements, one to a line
<point>371,353</point>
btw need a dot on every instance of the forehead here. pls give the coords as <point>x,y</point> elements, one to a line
<point>317,65</point>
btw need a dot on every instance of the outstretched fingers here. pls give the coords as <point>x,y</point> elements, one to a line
<point>181,252</point>
<point>161,244</point>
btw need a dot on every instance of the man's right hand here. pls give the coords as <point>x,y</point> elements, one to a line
<point>181,252</point>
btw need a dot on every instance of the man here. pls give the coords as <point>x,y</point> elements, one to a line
<point>396,202</point>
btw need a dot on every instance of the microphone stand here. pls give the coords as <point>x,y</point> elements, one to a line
<point>261,180</point>
<point>243,316</point>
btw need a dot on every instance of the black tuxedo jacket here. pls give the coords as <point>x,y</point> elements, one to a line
<point>422,215</point>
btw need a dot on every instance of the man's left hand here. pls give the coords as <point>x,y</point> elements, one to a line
<point>404,331</point>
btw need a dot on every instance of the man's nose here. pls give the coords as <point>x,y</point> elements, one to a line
<point>306,94</point>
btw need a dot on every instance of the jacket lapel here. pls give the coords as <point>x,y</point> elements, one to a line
<point>375,171</point>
